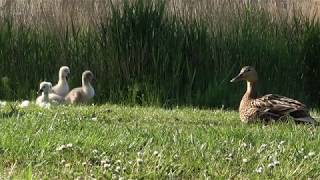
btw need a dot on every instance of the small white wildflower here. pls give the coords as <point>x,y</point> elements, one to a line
<point>118,162</point>
<point>245,160</point>
<point>94,119</point>
<point>3,103</point>
<point>271,165</point>
<point>140,153</point>
<point>95,151</point>
<point>24,104</point>
<point>263,146</point>
<point>107,165</point>
<point>118,168</point>
<point>114,176</point>
<point>130,162</point>
<point>305,157</point>
<point>244,145</point>
<point>259,170</point>
<point>275,162</point>
<point>102,162</point>
<point>63,161</point>
<point>60,148</point>
<point>311,153</point>
<point>176,156</point>
<point>282,142</point>
<point>155,153</point>
<point>139,161</point>
<point>301,150</point>
<point>69,145</point>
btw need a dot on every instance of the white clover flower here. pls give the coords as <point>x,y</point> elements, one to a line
<point>271,165</point>
<point>69,145</point>
<point>139,161</point>
<point>243,145</point>
<point>60,148</point>
<point>118,168</point>
<point>301,150</point>
<point>311,153</point>
<point>140,153</point>
<point>276,162</point>
<point>176,156</point>
<point>103,162</point>
<point>107,165</point>
<point>155,153</point>
<point>94,119</point>
<point>259,170</point>
<point>263,146</point>
<point>24,104</point>
<point>118,162</point>
<point>3,103</point>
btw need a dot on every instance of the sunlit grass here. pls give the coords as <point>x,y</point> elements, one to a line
<point>147,142</point>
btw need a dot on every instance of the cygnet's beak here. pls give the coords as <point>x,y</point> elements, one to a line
<point>40,91</point>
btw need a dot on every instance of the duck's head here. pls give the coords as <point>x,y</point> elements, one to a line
<point>64,72</point>
<point>247,73</point>
<point>44,87</point>
<point>87,76</point>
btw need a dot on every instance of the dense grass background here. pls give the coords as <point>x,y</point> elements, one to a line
<point>161,53</point>
<point>84,142</point>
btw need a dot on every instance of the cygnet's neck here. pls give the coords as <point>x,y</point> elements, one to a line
<point>45,96</point>
<point>62,80</point>
<point>88,89</point>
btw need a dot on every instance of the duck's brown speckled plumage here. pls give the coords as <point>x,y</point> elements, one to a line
<point>268,107</point>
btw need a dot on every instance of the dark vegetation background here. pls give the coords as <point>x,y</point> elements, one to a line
<point>160,52</point>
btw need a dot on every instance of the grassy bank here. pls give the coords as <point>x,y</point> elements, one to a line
<point>160,52</point>
<point>134,142</point>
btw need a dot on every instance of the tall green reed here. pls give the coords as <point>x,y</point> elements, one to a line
<point>153,53</point>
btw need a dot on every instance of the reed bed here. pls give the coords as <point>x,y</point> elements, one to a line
<point>161,52</point>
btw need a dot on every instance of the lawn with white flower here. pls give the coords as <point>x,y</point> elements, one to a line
<point>122,142</point>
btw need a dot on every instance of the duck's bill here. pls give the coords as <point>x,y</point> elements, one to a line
<point>237,78</point>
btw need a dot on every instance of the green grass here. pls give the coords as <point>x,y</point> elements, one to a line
<point>151,143</point>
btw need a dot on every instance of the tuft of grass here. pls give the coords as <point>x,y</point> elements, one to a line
<point>112,141</point>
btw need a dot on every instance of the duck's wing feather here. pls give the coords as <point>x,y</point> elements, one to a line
<point>273,106</point>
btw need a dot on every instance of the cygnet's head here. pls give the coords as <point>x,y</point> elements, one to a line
<point>44,87</point>
<point>87,76</point>
<point>64,72</point>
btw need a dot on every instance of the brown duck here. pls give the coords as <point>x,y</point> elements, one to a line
<point>270,106</point>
